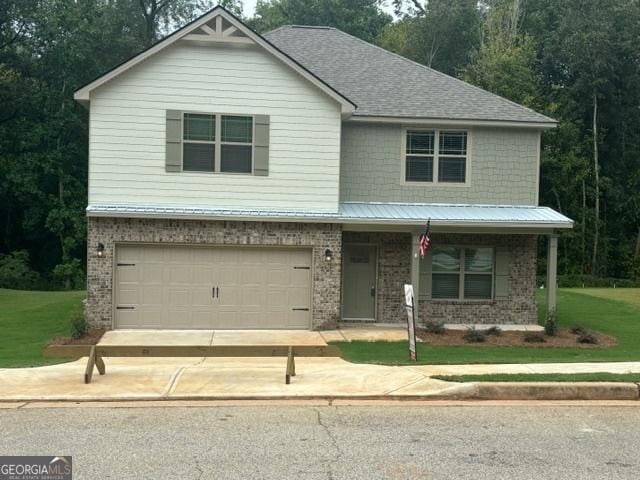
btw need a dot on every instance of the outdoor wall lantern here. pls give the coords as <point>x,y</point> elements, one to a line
<point>100,250</point>
<point>328,255</point>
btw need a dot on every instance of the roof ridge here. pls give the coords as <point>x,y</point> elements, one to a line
<point>437,72</point>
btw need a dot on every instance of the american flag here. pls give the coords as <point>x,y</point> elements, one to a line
<point>425,241</point>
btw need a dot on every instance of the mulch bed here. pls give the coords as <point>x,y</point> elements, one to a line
<point>564,338</point>
<point>92,337</point>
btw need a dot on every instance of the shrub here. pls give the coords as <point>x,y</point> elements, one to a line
<point>534,337</point>
<point>587,337</point>
<point>551,324</point>
<point>578,330</point>
<point>435,326</point>
<point>70,274</point>
<point>495,330</point>
<point>15,271</point>
<point>475,336</point>
<point>79,325</point>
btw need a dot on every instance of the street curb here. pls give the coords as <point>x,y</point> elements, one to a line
<point>556,391</point>
<point>499,391</point>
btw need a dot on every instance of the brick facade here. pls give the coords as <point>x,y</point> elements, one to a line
<point>394,269</point>
<point>110,231</point>
<point>518,308</point>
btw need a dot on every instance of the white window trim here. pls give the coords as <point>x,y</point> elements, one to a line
<point>217,143</point>
<point>435,182</point>
<point>462,272</point>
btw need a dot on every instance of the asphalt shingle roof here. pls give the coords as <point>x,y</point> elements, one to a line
<point>382,83</point>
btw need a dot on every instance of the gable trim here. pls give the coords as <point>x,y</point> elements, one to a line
<point>83,93</point>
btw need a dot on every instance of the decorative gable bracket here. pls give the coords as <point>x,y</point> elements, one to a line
<point>219,31</point>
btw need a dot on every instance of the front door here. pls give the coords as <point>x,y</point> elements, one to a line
<point>359,282</point>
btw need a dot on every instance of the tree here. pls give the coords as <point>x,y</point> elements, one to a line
<point>361,18</point>
<point>504,63</point>
<point>439,33</point>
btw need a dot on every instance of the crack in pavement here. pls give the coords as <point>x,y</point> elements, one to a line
<point>334,443</point>
<point>196,463</point>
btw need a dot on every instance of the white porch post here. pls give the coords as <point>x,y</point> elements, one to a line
<point>552,272</point>
<point>415,274</point>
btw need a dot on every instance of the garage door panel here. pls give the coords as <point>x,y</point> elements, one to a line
<point>298,319</point>
<point>128,274</point>
<point>179,274</point>
<point>152,294</point>
<point>201,297</point>
<point>251,296</point>
<point>279,276</point>
<point>179,297</point>
<point>171,287</point>
<point>151,273</point>
<point>129,295</point>
<point>251,275</point>
<point>150,317</point>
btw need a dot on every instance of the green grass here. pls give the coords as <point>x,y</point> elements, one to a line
<point>544,377</point>
<point>28,320</point>
<point>597,309</point>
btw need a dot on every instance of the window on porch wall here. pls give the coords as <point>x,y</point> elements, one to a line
<point>462,273</point>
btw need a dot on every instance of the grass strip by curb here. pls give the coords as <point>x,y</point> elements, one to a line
<point>543,377</point>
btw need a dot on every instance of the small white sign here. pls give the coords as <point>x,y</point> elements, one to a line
<point>411,321</point>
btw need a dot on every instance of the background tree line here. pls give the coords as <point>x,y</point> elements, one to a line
<point>577,61</point>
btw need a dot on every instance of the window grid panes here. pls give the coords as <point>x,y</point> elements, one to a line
<point>236,144</point>
<point>462,273</point>
<point>436,156</point>
<point>217,143</point>
<point>198,146</point>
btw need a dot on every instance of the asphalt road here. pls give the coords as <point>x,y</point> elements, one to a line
<point>307,442</point>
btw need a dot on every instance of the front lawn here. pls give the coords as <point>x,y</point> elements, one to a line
<point>543,377</point>
<point>28,320</point>
<point>615,312</point>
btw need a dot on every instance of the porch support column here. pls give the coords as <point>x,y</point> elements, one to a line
<point>415,274</point>
<point>552,272</point>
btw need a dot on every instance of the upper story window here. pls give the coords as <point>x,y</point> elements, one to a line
<point>217,143</point>
<point>437,156</point>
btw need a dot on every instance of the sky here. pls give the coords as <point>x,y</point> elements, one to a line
<point>249,7</point>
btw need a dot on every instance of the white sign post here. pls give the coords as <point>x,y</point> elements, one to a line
<point>411,321</point>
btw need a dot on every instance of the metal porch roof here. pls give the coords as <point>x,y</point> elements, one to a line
<point>411,214</point>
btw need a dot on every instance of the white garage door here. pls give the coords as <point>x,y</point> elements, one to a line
<point>177,287</point>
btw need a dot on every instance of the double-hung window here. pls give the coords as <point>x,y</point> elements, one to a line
<point>436,156</point>
<point>462,273</point>
<point>217,143</point>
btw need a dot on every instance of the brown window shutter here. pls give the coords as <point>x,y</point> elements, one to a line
<point>261,145</point>
<point>173,154</point>
<point>502,273</point>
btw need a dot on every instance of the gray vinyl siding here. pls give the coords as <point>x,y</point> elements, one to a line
<point>503,168</point>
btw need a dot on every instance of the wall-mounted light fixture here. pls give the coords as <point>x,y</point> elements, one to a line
<point>328,255</point>
<point>100,250</point>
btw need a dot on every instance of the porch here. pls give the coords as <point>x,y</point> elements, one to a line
<point>480,267</point>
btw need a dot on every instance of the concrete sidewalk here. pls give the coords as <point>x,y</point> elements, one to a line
<point>259,378</point>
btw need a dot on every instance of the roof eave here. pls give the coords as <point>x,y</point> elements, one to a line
<point>541,125</point>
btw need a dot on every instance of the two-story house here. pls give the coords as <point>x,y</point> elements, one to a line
<point>282,181</point>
